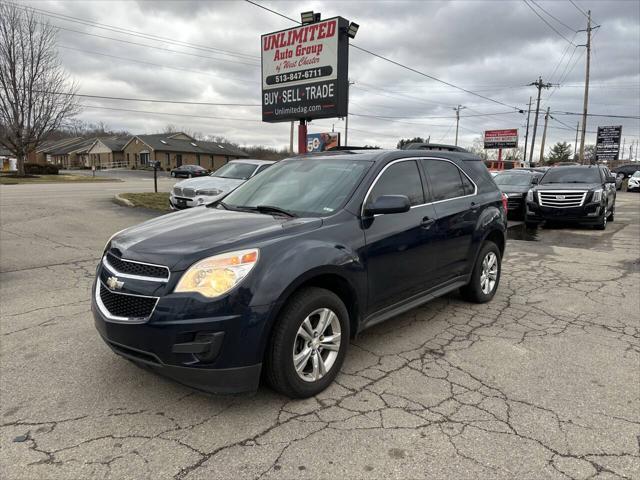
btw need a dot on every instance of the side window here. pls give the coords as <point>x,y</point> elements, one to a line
<point>468,186</point>
<point>446,180</point>
<point>261,169</point>
<point>402,178</point>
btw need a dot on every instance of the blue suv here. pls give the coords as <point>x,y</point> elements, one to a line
<point>274,279</point>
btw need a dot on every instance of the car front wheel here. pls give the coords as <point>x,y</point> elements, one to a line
<point>485,277</point>
<point>308,344</point>
<point>602,223</point>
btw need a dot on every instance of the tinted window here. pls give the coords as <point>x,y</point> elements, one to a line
<point>237,170</point>
<point>402,178</point>
<point>445,180</point>
<point>262,168</point>
<point>519,179</point>
<point>571,175</point>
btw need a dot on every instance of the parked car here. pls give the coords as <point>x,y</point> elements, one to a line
<point>515,184</point>
<point>581,194</point>
<point>628,169</point>
<point>189,171</point>
<point>203,190</point>
<point>634,182</point>
<point>284,270</point>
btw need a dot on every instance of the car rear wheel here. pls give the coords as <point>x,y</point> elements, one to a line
<point>308,344</point>
<point>485,277</point>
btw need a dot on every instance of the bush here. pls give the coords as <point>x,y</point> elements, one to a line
<point>38,169</point>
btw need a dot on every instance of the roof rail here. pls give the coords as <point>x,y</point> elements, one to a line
<point>433,146</point>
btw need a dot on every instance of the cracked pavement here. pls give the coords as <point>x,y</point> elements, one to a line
<point>543,382</point>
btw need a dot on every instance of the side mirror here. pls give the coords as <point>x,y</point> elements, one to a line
<point>388,204</point>
<point>611,179</point>
<point>535,180</point>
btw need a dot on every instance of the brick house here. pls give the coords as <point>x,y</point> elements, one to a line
<point>108,152</point>
<point>175,149</point>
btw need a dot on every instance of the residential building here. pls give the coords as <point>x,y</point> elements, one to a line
<point>108,152</point>
<point>175,149</point>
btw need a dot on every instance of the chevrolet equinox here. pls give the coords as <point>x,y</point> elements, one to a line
<point>274,279</point>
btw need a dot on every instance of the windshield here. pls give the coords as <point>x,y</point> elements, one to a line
<point>240,171</point>
<point>636,174</point>
<point>518,179</point>
<point>571,175</point>
<point>306,188</point>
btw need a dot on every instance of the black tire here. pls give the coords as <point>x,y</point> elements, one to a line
<point>612,213</point>
<point>472,291</point>
<point>528,223</point>
<point>280,371</point>
<point>602,221</point>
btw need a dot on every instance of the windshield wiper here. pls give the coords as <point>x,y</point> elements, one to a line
<point>273,209</point>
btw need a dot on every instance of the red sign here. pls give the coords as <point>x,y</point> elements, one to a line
<point>501,138</point>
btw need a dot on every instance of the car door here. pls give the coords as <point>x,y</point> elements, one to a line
<point>457,211</point>
<point>399,254</point>
<point>610,188</point>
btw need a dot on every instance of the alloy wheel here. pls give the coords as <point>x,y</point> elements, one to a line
<point>316,345</point>
<point>489,274</point>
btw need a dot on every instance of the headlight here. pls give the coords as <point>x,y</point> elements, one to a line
<point>530,195</point>
<point>209,193</point>
<point>216,275</point>
<point>597,195</point>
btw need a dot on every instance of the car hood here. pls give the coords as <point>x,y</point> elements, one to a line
<point>568,186</point>
<point>514,188</point>
<point>179,239</point>
<point>224,184</point>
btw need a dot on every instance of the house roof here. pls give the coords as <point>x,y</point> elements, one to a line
<point>168,143</point>
<point>50,145</point>
<point>77,146</point>
<point>115,144</point>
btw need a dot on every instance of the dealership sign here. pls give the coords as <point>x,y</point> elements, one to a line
<point>501,138</point>
<point>608,143</point>
<point>304,72</point>
<point>319,142</point>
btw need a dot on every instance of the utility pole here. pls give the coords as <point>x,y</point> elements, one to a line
<point>586,85</point>
<point>539,85</point>
<point>544,137</point>
<point>346,119</point>
<point>575,145</point>
<point>291,139</point>
<point>526,135</point>
<point>457,109</point>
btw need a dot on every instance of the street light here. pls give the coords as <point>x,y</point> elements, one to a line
<point>352,30</point>
<point>309,17</point>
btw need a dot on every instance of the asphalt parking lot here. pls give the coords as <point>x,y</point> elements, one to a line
<point>543,382</point>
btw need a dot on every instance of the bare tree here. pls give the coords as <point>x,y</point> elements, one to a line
<point>36,95</point>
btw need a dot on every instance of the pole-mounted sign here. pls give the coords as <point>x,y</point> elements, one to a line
<point>305,71</point>
<point>501,138</point>
<point>608,143</point>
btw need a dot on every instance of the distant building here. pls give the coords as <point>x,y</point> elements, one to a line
<point>175,149</point>
<point>108,152</point>
<point>73,154</point>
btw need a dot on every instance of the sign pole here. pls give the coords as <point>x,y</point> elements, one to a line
<point>302,137</point>
<point>499,155</point>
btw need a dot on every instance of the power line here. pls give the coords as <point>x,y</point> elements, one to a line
<point>134,33</point>
<point>153,100</point>
<point>173,114</point>
<point>633,117</point>
<point>554,17</point>
<point>156,47</point>
<point>548,24</point>
<point>386,59</point>
<point>579,9</point>
<point>142,62</point>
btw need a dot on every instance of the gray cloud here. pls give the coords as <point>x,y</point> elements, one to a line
<point>493,47</point>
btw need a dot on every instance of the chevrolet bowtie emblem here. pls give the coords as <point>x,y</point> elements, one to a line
<point>114,283</point>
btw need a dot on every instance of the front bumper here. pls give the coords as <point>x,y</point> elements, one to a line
<point>588,213</point>
<point>633,186</point>
<point>180,203</point>
<point>221,353</point>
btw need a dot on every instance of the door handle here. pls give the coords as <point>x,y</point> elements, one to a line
<point>427,222</point>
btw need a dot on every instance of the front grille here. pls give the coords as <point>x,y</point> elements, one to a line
<point>562,199</point>
<point>126,306</point>
<point>177,191</point>
<point>130,267</point>
<point>188,192</point>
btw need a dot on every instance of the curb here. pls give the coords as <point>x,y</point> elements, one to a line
<point>122,201</point>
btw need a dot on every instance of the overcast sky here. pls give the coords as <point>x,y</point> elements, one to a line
<point>494,48</point>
